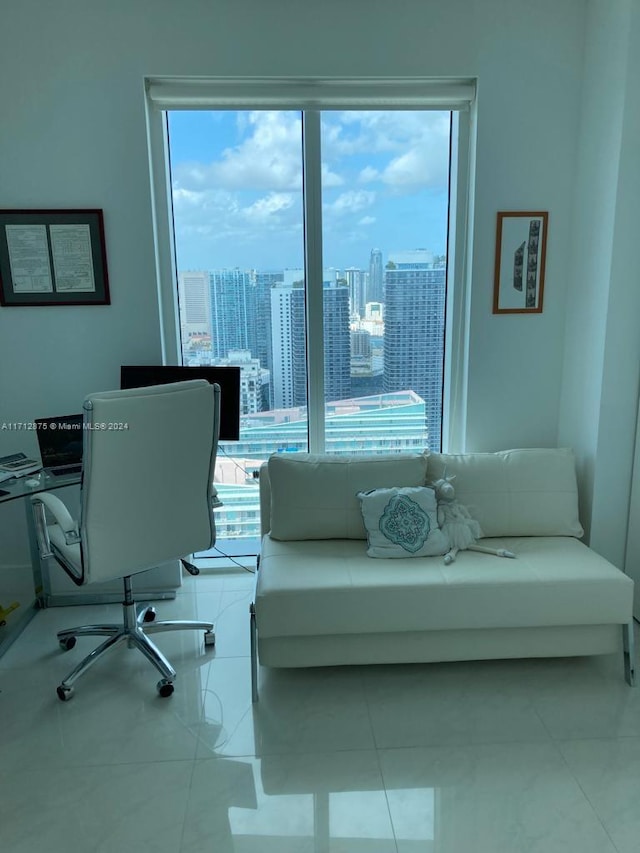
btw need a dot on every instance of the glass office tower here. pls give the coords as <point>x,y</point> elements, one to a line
<point>414,332</point>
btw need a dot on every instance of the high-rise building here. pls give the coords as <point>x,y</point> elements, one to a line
<point>355,280</point>
<point>365,378</point>
<point>289,370</point>
<point>254,381</point>
<point>414,332</point>
<point>360,344</point>
<point>337,342</point>
<point>375,292</point>
<point>263,282</point>
<point>288,341</point>
<point>374,312</point>
<point>233,312</point>
<point>195,307</point>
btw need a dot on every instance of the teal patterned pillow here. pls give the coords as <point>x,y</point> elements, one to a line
<point>402,522</point>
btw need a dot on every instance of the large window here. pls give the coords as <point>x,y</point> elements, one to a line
<point>312,248</point>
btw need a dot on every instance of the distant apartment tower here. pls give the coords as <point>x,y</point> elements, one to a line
<point>374,312</point>
<point>195,307</point>
<point>254,381</point>
<point>337,342</point>
<point>289,372</point>
<point>375,291</point>
<point>355,279</point>
<point>361,344</point>
<point>233,312</point>
<point>289,375</point>
<point>414,332</point>
<point>264,281</point>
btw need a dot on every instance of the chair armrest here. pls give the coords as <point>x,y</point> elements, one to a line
<point>215,500</point>
<point>61,514</point>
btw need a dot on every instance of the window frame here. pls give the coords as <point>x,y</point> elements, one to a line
<point>312,96</point>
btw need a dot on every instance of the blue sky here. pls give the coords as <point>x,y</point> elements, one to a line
<point>237,186</point>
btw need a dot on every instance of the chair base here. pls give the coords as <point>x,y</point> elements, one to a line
<point>138,622</point>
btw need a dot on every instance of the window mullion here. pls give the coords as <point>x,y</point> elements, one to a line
<point>312,192</point>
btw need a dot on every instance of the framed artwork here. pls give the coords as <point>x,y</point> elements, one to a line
<point>521,243</point>
<point>53,257</point>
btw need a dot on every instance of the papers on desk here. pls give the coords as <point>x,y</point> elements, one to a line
<point>11,475</point>
<point>17,465</point>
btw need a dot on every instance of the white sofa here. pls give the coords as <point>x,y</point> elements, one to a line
<point>321,601</point>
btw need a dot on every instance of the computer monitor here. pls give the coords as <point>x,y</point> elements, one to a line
<point>228,378</point>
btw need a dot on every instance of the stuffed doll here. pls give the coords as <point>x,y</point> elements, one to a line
<point>456,523</point>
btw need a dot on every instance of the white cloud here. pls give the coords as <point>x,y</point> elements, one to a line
<point>186,198</point>
<point>329,178</point>
<point>416,140</point>
<point>368,174</point>
<point>269,206</point>
<point>194,206</point>
<point>414,168</point>
<point>246,190</point>
<point>352,201</point>
<point>268,157</point>
<point>251,191</point>
<point>218,217</point>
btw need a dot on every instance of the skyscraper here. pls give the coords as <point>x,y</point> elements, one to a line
<point>375,291</point>
<point>233,312</point>
<point>195,308</point>
<point>355,279</point>
<point>337,342</point>
<point>289,370</point>
<point>263,282</point>
<point>414,332</point>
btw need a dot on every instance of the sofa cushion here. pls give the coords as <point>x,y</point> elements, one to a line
<point>332,587</point>
<point>530,492</point>
<point>314,496</point>
<point>402,523</point>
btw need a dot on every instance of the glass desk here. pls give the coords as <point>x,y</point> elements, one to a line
<point>23,488</point>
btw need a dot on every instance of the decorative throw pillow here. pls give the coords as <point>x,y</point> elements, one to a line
<point>402,522</point>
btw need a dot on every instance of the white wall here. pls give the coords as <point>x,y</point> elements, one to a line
<point>73,134</point>
<point>602,345</point>
<point>529,62</point>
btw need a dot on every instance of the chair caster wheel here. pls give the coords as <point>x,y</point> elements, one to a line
<point>64,693</point>
<point>149,614</point>
<point>165,687</point>
<point>67,643</point>
<point>209,638</point>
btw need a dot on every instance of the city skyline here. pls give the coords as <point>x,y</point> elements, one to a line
<point>260,317</point>
<point>366,280</point>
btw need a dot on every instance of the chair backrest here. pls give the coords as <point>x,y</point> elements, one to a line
<point>149,455</point>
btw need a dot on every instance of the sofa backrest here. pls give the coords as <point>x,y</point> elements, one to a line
<point>528,492</point>
<point>314,496</point>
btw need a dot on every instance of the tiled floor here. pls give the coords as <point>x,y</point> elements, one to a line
<point>487,757</point>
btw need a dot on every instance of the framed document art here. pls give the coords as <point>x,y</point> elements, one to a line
<point>521,242</point>
<point>53,257</point>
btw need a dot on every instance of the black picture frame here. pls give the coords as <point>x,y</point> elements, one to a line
<point>53,257</point>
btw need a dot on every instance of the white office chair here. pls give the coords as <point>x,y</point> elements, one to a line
<point>146,497</point>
